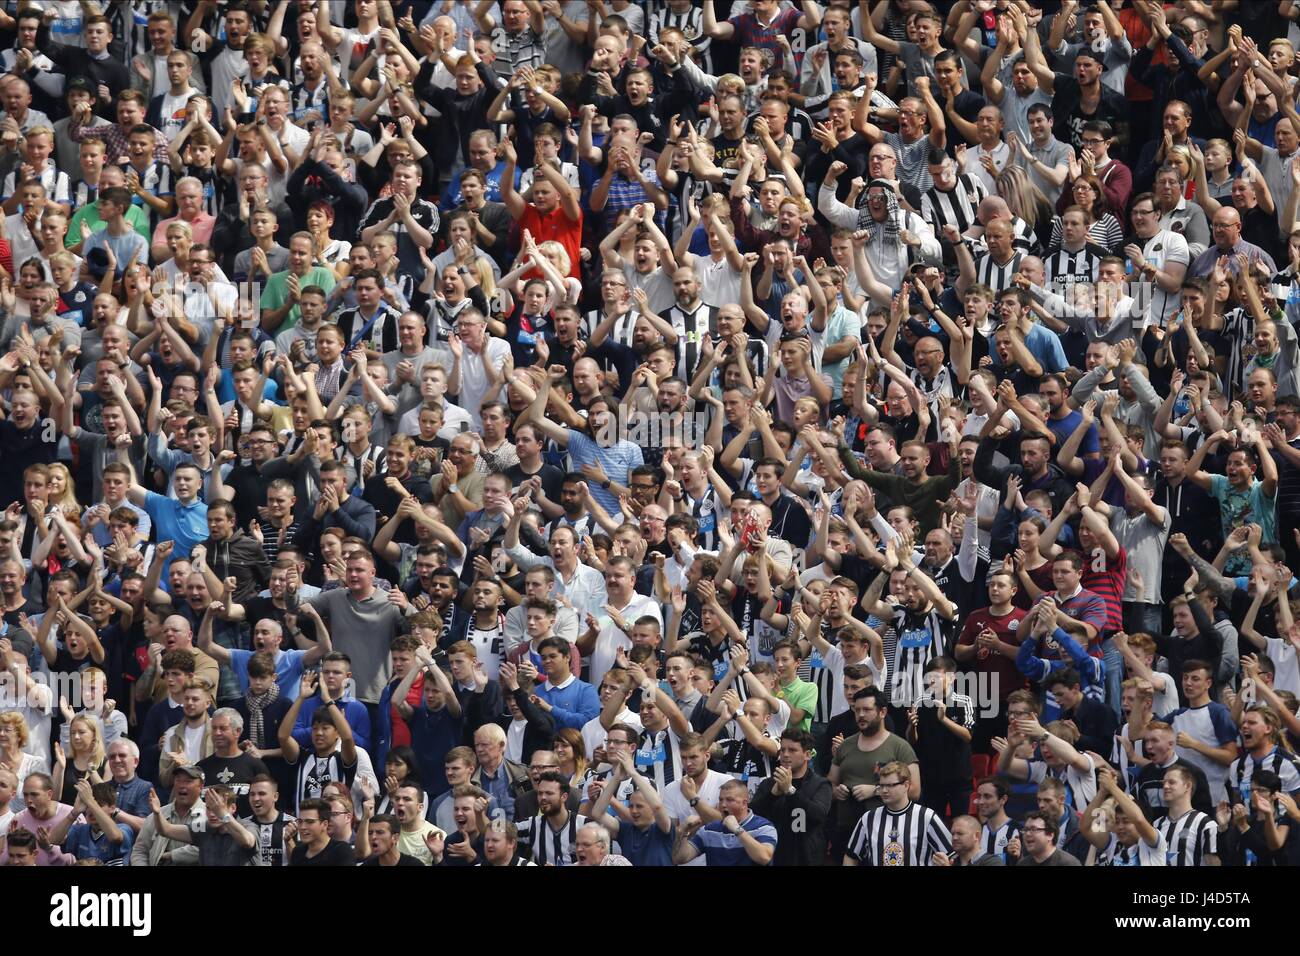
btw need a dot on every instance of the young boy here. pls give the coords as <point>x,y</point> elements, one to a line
<point>430,447</point>
<point>37,146</point>
<point>128,244</point>
<point>939,727</point>
<point>265,257</point>
<point>149,181</point>
<point>193,152</point>
<point>91,155</point>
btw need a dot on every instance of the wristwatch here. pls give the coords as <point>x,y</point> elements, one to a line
<point>693,801</point>
<point>605,484</point>
<point>453,488</point>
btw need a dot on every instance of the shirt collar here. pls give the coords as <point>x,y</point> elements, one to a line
<point>566,683</point>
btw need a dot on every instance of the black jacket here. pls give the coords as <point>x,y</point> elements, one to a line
<point>478,709</point>
<point>314,181</point>
<point>242,558</point>
<point>537,735</point>
<point>799,818</point>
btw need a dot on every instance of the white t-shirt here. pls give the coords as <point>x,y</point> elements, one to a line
<point>610,638</point>
<point>709,792</point>
<point>1165,700</point>
<point>473,379</point>
<point>719,283</point>
<point>172,114</point>
<point>1287,672</point>
<point>1165,246</point>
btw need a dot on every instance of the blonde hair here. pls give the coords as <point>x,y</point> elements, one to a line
<point>15,719</point>
<point>1021,195</point>
<point>486,279</point>
<point>730,84</point>
<point>68,499</point>
<point>557,254</point>
<point>259,41</point>
<point>97,738</point>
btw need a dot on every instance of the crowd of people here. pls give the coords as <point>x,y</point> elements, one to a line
<point>608,433</point>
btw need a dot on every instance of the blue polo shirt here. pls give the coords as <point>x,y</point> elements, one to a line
<point>721,848</point>
<point>648,847</point>
<point>133,796</point>
<point>288,670</point>
<point>187,525</point>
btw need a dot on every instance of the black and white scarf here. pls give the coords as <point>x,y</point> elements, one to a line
<point>257,703</point>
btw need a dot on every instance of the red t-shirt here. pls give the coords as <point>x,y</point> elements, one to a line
<point>1007,628</point>
<point>556,226</point>
<point>401,735</point>
<point>1105,576</point>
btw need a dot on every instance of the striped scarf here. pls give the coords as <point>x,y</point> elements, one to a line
<point>257,703</point>
<point>887,230</point>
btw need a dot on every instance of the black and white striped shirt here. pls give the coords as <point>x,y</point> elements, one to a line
<point>691,22</point>
<point>1190,838</point>
<point>997,277</point>
<point>994,841</point>
<point>659,757</point>
<point>907,837</point>
<point>956,207</point>
<point>1066,268</point>
<point>544,845</point>
<point>705,510</point>
<point>921,638</point>
<point>313,773</point>
<point>691,328</point>
<point>1242,770</point>
<point>623,328</point>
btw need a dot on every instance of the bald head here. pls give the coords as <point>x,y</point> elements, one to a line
<point>1227,228</point>
<point>992,208</point>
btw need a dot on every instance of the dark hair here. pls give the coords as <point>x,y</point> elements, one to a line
<point>805,740</point>
<point>878,696</point>
<point>1067,677</point>
<point>320,806</point>
<point>1048,822</point>
<point>556,643</point>
<point>554,776</point>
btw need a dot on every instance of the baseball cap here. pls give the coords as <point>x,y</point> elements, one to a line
<point>79,83</point>
<point>190,770</point>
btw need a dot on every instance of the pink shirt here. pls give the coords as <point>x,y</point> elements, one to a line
<point>26,821</point>
<point>200,226</point>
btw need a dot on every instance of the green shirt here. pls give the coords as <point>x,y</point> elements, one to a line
<point>136,217</point>
<point>276,292</point>
<point>800,695</point>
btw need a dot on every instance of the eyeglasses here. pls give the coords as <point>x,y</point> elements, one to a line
<point>1034,830</point>
<point>889,786</point>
